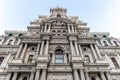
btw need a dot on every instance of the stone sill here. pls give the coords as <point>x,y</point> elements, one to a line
<point>96,64</point>
<point>9,46</point>
<point>21,64</point>
<point>59,64</point>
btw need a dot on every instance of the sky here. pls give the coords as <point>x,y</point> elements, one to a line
<point>100,15</point>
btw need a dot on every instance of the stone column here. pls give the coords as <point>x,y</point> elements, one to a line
<point>69,29</point>
<point>15,76</point>
<point>37,75</point>
<point>80,50</point>
<point>6,60</point>
<point>72,28</point>
<point>108,76</point>
<point>76,76</point>
<point>38,49</point>
<point>45,28</point>
<point>76,47</point>
<point>32,76</point>
<point>53,58</point>
<point>42,27</point>
<point>98,51</point>
<point>42,47</point>
<point>87,76</point>
<point>24,51</point>
<point>93,51</point>
<point>43,76</point>
<point>102,75</point>
<point>65,58</point>
<point>49,29</point>
<point>118,56</point>
<point>72,48</point>
<point>118,59</point>
<point>19,51</point>
<point>46,48</point>
<point>8,76</point>
<point>76,29</point>
<point>109,61</point>
<point>82,74</point>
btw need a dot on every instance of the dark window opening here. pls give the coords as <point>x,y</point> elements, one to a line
<point>33,48</point>
<point>116,44</point>
<point>87,58</point>
<point>93,78</point>
<point>105,43</point>
<point>20,35</point>
<point>104,36</point>
<point>25,78</point>
<point>95,35</point>
<point>1,60</point>
<point>58,15</point>
<point>115,62</point>
<point>59,58</point>
<point>30,58</point>
<point>10,34</point>
<point>10,42</point>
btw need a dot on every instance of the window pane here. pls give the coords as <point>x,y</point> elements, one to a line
<point>59,56</point>
<point>59,60</point>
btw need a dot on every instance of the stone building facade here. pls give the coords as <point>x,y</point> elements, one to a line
<point>59,47</point>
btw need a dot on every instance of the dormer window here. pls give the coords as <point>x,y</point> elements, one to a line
<point>10,42</point>
<point>10,34</point>
<point>105,43</point>
<point>115,42</point>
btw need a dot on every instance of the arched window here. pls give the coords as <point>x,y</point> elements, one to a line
<point>59,58</point>
<point>93,78</point>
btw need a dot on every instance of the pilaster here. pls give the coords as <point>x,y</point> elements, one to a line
<point>37,76</point>
<point>108,76</point>
<point>82,74</point>
<point>76,76</point>
<point>38,49</point>
<point>19,51</point>
<point>103,76</point>
<point>80,51</point>
<point>96,47</point>
<point>72,48</point>
<point>43,76</point>
<point>76,47</point>
<point>42,47</point>
<point>46,48</point>
<point>93,51</point>
<point>32,76</point>
<point>87,76</point>
<point>24,51</point>
<point>8,76</point>
<point>15,76</point>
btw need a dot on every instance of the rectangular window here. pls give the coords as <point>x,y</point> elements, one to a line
<point>87,58</point>
<point>115,62</point>
<point>51,58</point>
<point>1,60</point>
<point>30,58</point>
